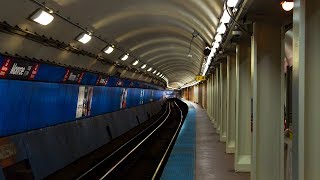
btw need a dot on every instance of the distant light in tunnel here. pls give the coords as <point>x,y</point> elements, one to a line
<point>108,49</point>
<point>287,5</point>
<point>158,74</point>
<point>225,17</point>
<point>143,66</point>
<point>42,17</point>
<point>218,38</point>
<point>125,57</point>
<point>150,69</point>
<point>154,71</point>
<point>135,62</point>
<point>84,38</point>
<point>232,3</point>
<point>222,29</point>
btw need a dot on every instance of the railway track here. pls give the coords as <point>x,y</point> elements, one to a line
<point>144,155</point>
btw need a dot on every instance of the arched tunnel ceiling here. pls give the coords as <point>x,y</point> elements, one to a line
<point>158,32</point>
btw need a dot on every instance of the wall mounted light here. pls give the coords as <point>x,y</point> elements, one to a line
<point>42,17</point>
<point>287,5</point>
<point>143,66</point>
<point>135,62</point>
<point>124,57</point>
<point>108,49</point>
<point>150,69</point>
<point>84,38</point>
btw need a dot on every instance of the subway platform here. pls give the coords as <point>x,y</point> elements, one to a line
<point>198,153</point>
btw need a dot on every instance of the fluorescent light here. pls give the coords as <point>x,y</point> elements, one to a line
<point>225,17</point>
<point>42,17</point>
<point>287,6</point>
<point>108,49</point>
<point>216,45</point>
<point>84,38</point>
<point>232,3</point>
<point>150,69</point>
<point>143,66</point>
<point>222,29</point>
<point>125,57</point>
<point>154,71</point>
<point>158,74</point>
<point>218,38</point>
<point>135,62</point>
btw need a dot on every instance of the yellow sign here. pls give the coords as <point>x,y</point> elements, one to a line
<point>200,78</point>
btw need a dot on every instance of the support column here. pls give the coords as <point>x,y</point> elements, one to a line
<point>231,123</point>
<point>218,120</point>
<point>214,100</point>
<point>268,104</point>
<point>306,88</point>
<point>224,95</point>
<point>243,108</point>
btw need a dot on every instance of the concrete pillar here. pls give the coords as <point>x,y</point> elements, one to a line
<point>214,100</point>
<point>306,88</point>
<point>231,123</point>
<point>268,102</point>
<point>224,95</point>
<point>217,116</point>
<point>243,108</point>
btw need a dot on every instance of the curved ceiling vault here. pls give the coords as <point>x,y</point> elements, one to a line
<point>158,32</point>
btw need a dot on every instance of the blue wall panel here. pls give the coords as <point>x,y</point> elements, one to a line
<point>27,105</point>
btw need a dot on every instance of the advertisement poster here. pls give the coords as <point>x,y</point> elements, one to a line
<point>141,96</point>
<point>123,98</point>
<point>151,98</point>
<point>84,101</point>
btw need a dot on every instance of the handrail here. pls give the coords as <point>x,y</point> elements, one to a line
<point>121,147</point>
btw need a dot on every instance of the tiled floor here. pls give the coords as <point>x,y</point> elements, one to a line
<point>212,162</point>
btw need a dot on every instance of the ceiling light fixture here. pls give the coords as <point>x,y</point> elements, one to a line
<point>135,62</point>
<point>143,66</point>
<point>225,17</point>
<point>108,49</point>
<point>216,45</point>
<point>287,5</point>
<point>84,38</point>
<point>42,17</point>
<point>158,74</point>
<point>125,57</point>
<point>154,71</point>
<point>218,38</point>
<point>232,3</point>
<point>222,29</point>
<point>150,69</point>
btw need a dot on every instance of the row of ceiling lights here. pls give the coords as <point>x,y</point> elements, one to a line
<point>225,19</point>
<point>287,5</point>
<point>44,18</point>
<point>221,30</point>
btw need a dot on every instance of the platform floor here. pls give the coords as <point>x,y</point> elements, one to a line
<point>211,161</point>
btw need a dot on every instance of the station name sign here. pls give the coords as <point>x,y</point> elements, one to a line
<point>200,78</point>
